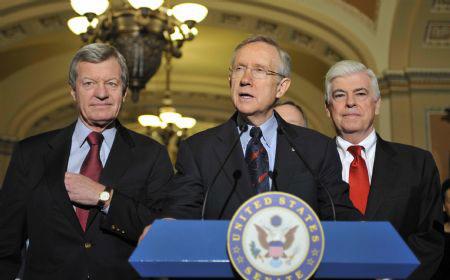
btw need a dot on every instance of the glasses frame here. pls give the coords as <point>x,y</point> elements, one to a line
<point>267,72</point>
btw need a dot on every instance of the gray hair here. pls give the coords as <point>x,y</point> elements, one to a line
<point>285,68</point>
<point>96,53</point>
<point>348,67</point>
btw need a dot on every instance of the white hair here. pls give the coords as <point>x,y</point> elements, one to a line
<point>345,68</point>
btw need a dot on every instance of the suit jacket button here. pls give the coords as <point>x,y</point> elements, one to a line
<point>87,245</point>
<point>113,227</point>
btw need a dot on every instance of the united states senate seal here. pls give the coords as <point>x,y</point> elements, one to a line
<point>275,235</point>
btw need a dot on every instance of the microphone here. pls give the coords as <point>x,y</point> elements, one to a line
<point>273,175</point>
<point>291,143</point>
<point>243,127</point>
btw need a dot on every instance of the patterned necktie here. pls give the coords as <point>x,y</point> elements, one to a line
<point>358,179</point>
<point>92,168</point>
<point>257,161</point>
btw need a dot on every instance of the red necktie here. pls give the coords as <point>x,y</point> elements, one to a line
<point>92,168</point>
<point>358,179</point>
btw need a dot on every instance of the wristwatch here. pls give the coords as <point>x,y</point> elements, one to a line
<point>104,196</point>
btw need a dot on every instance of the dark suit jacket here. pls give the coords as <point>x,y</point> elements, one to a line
<point>405,190</point>
<point>34,205</point>
<point>200,157</point>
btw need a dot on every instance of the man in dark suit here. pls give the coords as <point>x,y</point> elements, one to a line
<point>289,158</point>
<point>83,194</point>
<point>388,181</point>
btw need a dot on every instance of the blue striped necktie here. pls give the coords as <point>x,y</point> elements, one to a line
<point>257,161</point>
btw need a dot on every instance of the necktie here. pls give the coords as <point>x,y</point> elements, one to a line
<point>92,168</point>
<point>257,161</point>
<point>358,179</point>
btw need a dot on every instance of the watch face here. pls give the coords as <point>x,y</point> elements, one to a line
<point>104,196</point>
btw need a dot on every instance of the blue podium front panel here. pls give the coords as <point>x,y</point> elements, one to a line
<point>176,248</point>
<point>183,249</point>
<point>365,250</point>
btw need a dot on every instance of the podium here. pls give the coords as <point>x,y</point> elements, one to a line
<point>184,248</point>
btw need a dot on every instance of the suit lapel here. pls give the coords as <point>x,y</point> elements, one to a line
<point>383,176</point>
<point>56,165</point>
<point>119,159</point>
<point>235,167</point>
<point>285,161</point>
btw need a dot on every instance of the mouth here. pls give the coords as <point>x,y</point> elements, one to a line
<point>101,105</point>
<point>245,96</point>
<point>351,115</point>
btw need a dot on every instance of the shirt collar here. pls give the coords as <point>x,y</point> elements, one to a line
<point>82,131</point>
<point>367,143</point>
<point>268,128</point>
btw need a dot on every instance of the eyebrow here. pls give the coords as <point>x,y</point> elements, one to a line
<point>107,80</point>
<point>338,90</point>
<point>355,90</point>
<point>360,89</point>
<point>260,65</point>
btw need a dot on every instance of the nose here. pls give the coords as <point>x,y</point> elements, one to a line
<point>350,100</point>
<point>101,91</point>
<point>246,78</point>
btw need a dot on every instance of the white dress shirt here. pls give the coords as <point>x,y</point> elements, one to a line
<point>368,154</point>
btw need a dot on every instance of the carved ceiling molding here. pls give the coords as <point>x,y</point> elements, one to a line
<point>363,18</point>
<point>415,80</point>
<point>301,39</point>
<point>437,34</point>
<point>49,23</point>
<point>440,6</point>
<point>45,24</point>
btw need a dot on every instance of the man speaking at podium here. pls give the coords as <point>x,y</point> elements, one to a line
<point>255,150</point>
<point>388,181</point>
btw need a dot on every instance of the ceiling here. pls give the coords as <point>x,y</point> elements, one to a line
<point>36,48</point>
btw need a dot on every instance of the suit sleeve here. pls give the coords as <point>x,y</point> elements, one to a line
<point>427,242</point>
<point>186,195</point>
<point>13,197</point>
<point>330,179</point>
<point>127,216</point>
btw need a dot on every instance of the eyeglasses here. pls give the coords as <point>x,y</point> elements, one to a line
<point>257,72</point>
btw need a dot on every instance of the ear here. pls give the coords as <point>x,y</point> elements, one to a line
<point>327,110</point>
<point>124,96</point>
<point>282,87</point>
<point>229,81</point>
<point>74,94</point>
<point>377,106</point>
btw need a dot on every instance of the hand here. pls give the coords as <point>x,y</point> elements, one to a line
<point>144,233</point>
<point>82,189</point>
